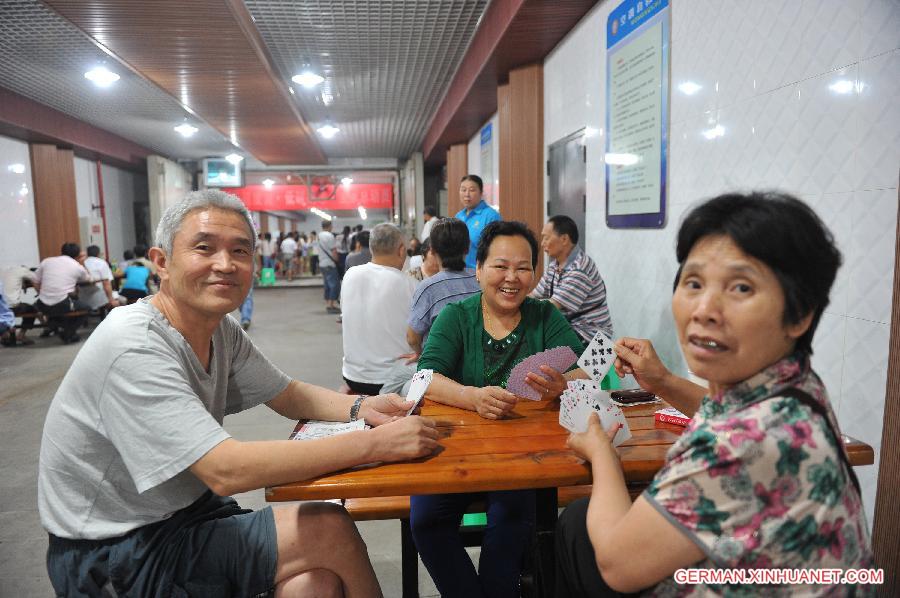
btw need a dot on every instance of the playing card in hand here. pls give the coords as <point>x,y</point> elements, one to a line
<point>580,399</point>
<point>558,358</point>
<point>598,357</point>
<point>418,386</point>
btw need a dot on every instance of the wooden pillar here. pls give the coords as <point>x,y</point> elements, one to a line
<point>886,533</point>
<point>55,207</point>
<point>457,168</point>
<point>520,105</point>
<point>281,227</point>
<point>263,222</point>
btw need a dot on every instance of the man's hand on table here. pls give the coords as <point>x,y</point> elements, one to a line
<point>383,409</point>
<point>405,438</point>
<point>493,402</point>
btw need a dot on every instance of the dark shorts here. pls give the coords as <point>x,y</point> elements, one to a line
<point>211,549</point>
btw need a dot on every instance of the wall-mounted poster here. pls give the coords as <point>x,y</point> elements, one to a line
<point>637,105</point>
<point>487,164</point>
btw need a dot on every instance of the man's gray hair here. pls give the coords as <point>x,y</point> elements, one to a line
<point>171,220</point>
<point>385,238</point>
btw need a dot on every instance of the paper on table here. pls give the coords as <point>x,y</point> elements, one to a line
<point>321,429</point>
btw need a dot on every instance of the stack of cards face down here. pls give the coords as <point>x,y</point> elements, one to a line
<point>583,397</point>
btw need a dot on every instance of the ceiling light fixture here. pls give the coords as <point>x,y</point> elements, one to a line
<point>307,79</point>
<point>186,130</point>
<point>16,168</point>
<point>328,131</point>
<point>321,214</point>
<point>362,212</point>
<point>346,181</point>
<point>689,88</point>
<point>234,158</point>
<point>101,76</point>
<point>267,183</point>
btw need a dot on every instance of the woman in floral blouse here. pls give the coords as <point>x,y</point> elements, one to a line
<point>759,479</point>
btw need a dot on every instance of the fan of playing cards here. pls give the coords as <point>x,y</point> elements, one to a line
<point>583,397</point>
<point>559,358</point>
<point>417,387</point>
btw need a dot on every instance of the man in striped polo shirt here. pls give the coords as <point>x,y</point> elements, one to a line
<point>571,281</point>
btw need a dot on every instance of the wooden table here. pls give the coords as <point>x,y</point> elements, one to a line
<point>526,450</point>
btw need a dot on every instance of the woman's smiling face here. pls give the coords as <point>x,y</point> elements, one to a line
<point>729,310</point>
<point>506,275</point>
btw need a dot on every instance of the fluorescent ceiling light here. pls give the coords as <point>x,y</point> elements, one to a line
<point>843,86</point>
<point>307,79</point>
<point>346,181</point>
<point>268,183</point>
<point>321,214</point>
<point>362,212</point>
<point>689,88</point>
<point>716,131</point>
<point>186,130</point>
<point>328,131</point>
<point>16,168</point>
<point>234,158</point>
<point>101,76</point>
<point>620,159</point>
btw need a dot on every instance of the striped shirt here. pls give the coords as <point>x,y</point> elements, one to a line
<point>580,293</point>
<point>434,293</point>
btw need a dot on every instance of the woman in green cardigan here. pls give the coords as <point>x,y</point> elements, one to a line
<point>472,347</point>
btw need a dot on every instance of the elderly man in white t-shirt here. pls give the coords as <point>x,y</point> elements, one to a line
<point>375,302</point>
<point>99,295</point>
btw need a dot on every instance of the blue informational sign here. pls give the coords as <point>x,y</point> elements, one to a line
<point>486,134</point>
<point>637,113</point>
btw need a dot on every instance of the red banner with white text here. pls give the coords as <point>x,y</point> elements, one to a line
<point>297,197</point>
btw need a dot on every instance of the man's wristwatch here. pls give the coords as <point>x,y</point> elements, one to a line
<point>354,410</point>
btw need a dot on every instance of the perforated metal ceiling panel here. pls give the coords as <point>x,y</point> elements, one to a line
<point>44,57</point>
<point>386,63</point>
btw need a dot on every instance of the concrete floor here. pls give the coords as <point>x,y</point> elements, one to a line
<point>290,326</point>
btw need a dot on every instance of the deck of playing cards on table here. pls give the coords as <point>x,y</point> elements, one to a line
<point>558,358</point>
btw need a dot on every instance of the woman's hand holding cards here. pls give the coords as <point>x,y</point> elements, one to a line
<point>636,356</point>
<point>588,444</point>
<point>549,389</point>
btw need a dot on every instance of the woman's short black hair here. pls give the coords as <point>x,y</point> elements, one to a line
<point>783,233</point>
<point>362,237</point>
<point>505,228</point>
<point>475,179</point>
<point>450,241</point>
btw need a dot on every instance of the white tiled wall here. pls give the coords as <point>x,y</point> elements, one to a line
<point>18,232</point>
<point>772,73</point>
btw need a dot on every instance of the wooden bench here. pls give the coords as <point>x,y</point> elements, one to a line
<point>381,508</point>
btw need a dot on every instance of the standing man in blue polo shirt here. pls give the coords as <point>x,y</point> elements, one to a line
<point>475,213</point>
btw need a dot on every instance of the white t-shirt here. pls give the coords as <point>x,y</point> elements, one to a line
<point>324,245</point>
<point>12,278</point>
<point>135,410</point>
<point>374,308</point>
<point>289,246</point>
<point>58,277</point>
<point>94,296</point>
<point>426,228</point>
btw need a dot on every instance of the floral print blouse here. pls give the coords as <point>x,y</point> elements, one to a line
<point>756,481</point>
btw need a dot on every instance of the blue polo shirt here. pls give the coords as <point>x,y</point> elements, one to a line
<point>480,216</point>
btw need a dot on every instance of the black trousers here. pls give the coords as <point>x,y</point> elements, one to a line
<point>577,575</point>
<point>54,314</point>
<point>24,308</point>
<point>363,388</point>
